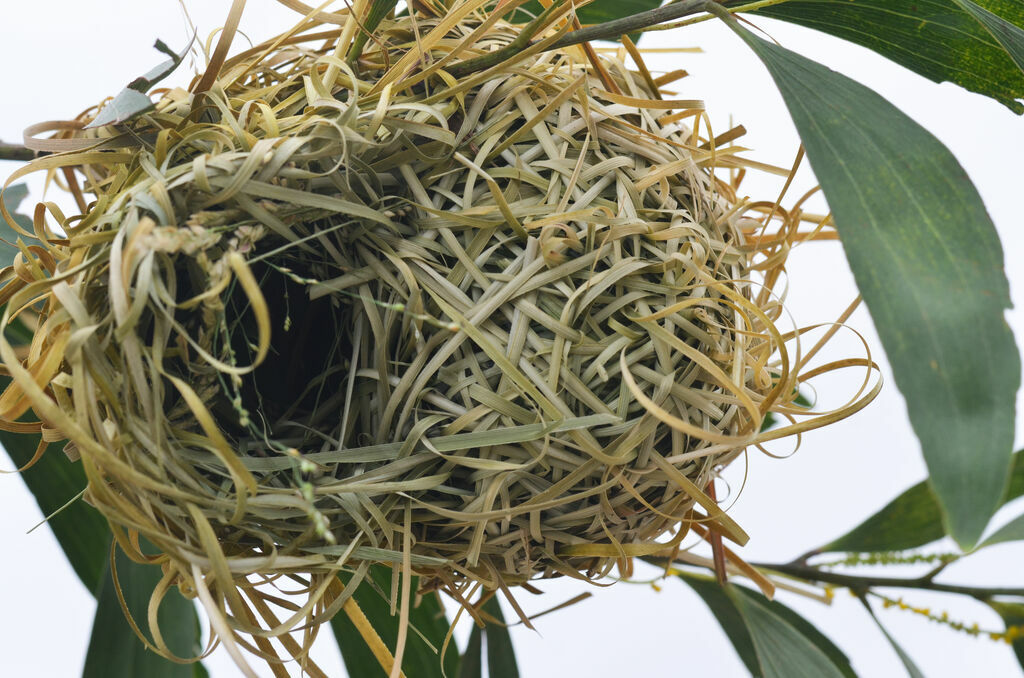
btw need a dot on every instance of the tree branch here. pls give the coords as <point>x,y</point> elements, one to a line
<point>610,30</point>
<point>861,584</point>
<point>16,152</point>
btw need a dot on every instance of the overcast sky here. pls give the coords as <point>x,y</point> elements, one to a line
<point>61,57</point>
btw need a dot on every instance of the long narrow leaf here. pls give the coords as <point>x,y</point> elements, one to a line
<point>83,535</point>
<point>1011,531</point>
<point>54,481</point>
<point>910,520</point>
<point>428,618</point>
<point>1009,36</point>
<point>114,649</point>
<point>804,628</point>
<point>929,264</point>
<point>472,665</point>
<point>784,652</point>
<point>908,663</point>
<point>746,616</point>
<point>939,39</point>
<point>501,656</point>
<point>723,607</point>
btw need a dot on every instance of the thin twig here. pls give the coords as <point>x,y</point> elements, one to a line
<point>937,570</point>
<point>861,585</point>
<point>608,30</point>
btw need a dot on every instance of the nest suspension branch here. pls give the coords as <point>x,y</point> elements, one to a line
<point>334,306</point>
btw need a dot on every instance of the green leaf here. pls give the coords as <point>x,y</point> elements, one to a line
<point>929,264</point>
<point>784,652</point>
<point>54,481</point>
<point>759,652</point>
<point>723,607</point>
<point>805,628</point>
<point>910,520</point>
<point>1016,488</point>
<point>132,100</point>
<point>908,663</point>
<point>1013,615</point>
<point>115,650</point>
<point>472,665</point>
<point>85,539</point>
<point>13,197</point>
<point>501,656</point>
<point>379,9</point>
<point>126,105</point>
<point>428,618</point>
<point>938,39</point>
<point>1011,531</point>
<point>1009,36</point>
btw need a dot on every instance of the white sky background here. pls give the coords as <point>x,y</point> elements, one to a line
<point>60,56</point>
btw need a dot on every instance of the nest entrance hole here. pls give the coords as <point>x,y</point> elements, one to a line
<point>299,388</point>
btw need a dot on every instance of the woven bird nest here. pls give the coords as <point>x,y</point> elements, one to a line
<point>326,313</point>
